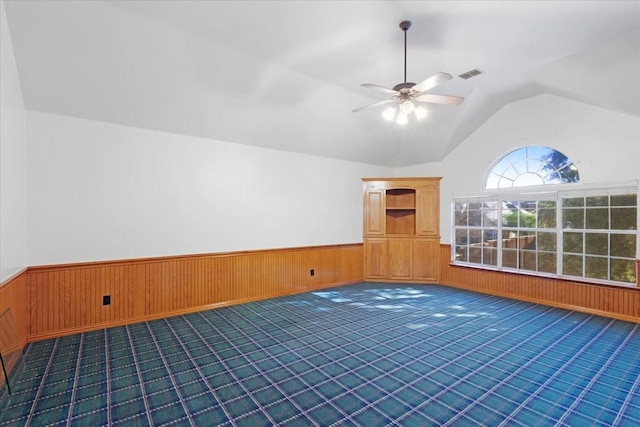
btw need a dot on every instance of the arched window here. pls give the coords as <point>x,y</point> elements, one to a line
<point>533,165</point>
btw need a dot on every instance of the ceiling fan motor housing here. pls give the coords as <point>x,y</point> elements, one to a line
<point>406,86</point>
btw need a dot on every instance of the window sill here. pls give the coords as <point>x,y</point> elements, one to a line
<point>572,279</point>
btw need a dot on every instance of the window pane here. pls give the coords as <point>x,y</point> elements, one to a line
<point>490,218</point>
<point>573,202</point>
<point>475,254</point>
<point>547,218</point>
<point>596,244</point>
<point>572,242</point>
<point>461,214</point>
<point>461,253</point>
<point>598,218</point>
<point>510,214</point>
<point>492,180</point>
<point>528,261</point>
<point>505,183</point>
<point>490,256</point>
<point>623,245</point>
<point>475,217</point>
<point>527,240</point>
<point>475,237</point>
<point>502,165</point>
<point>490,238</point>
<point>509,239</point>
<point>572,265</point>
<point>547,262</point>
<point>596,267</point>
<point>547,241</point>
<point>598,201</point>
<point>509,258</point>
<point>461,236</point>
<point>624,200</point>
<point>510,174</point>
<point>624,218</point>
<point>573,218</point>
<point>623,270</point>
<point>528,219</point>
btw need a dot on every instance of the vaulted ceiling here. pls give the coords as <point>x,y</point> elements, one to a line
<point>287,74</point>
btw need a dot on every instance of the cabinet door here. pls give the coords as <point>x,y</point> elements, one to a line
<point>428,212</point>
<point>400,259</point>
<point>426,259</point>
<point>374,219</point>
<point>375,259</point>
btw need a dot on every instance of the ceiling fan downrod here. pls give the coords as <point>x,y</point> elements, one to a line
<point>404,26</point>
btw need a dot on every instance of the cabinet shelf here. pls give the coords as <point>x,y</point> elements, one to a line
<point>401,198</point>
<point>401,221</point>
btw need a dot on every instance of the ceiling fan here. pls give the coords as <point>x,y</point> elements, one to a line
<point>406,97</point>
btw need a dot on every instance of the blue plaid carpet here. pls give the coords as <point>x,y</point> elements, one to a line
<point>366,354</point>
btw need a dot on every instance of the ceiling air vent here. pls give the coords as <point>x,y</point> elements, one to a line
<point>470,74</point>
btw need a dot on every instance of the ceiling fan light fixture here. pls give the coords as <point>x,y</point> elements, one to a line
<point>402,118</point>
<point>407,107</point>
<point>389,113</point>
<point>420,112</point>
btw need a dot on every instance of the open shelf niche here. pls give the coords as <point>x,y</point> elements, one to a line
<point>400,213</point>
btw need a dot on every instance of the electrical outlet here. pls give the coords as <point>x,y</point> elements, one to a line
<point>312,272</point>
<point>106,300</point>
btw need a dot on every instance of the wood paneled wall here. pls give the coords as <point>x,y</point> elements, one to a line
<point>50,301</point>
<point>611,301</point>
<point>66,299</point>
<point>14,320</point>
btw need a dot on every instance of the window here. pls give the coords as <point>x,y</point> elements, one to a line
<point>588,232</point>
<point>532,165</point>
<point>599,236</point>
<point>584,233</point>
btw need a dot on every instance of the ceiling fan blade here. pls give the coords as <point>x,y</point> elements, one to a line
<point>440,99</point>
<point>375,104</point>
<point>431,82</point>
<point>380,88</point>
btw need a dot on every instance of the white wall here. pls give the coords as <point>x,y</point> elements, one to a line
<point>98,191</point>
<point>604,144</point>
<point>13,252</point>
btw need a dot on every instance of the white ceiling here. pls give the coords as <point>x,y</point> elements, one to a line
<point>286,74</point>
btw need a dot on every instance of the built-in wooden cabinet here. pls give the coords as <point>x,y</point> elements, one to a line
<point>401,229</point>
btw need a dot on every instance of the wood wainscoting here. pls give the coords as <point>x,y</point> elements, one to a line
<point>610,301</point>
<point>66,299</point>
<point>14,321</point>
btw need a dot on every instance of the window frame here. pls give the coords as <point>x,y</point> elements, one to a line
<point>555,193</point>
